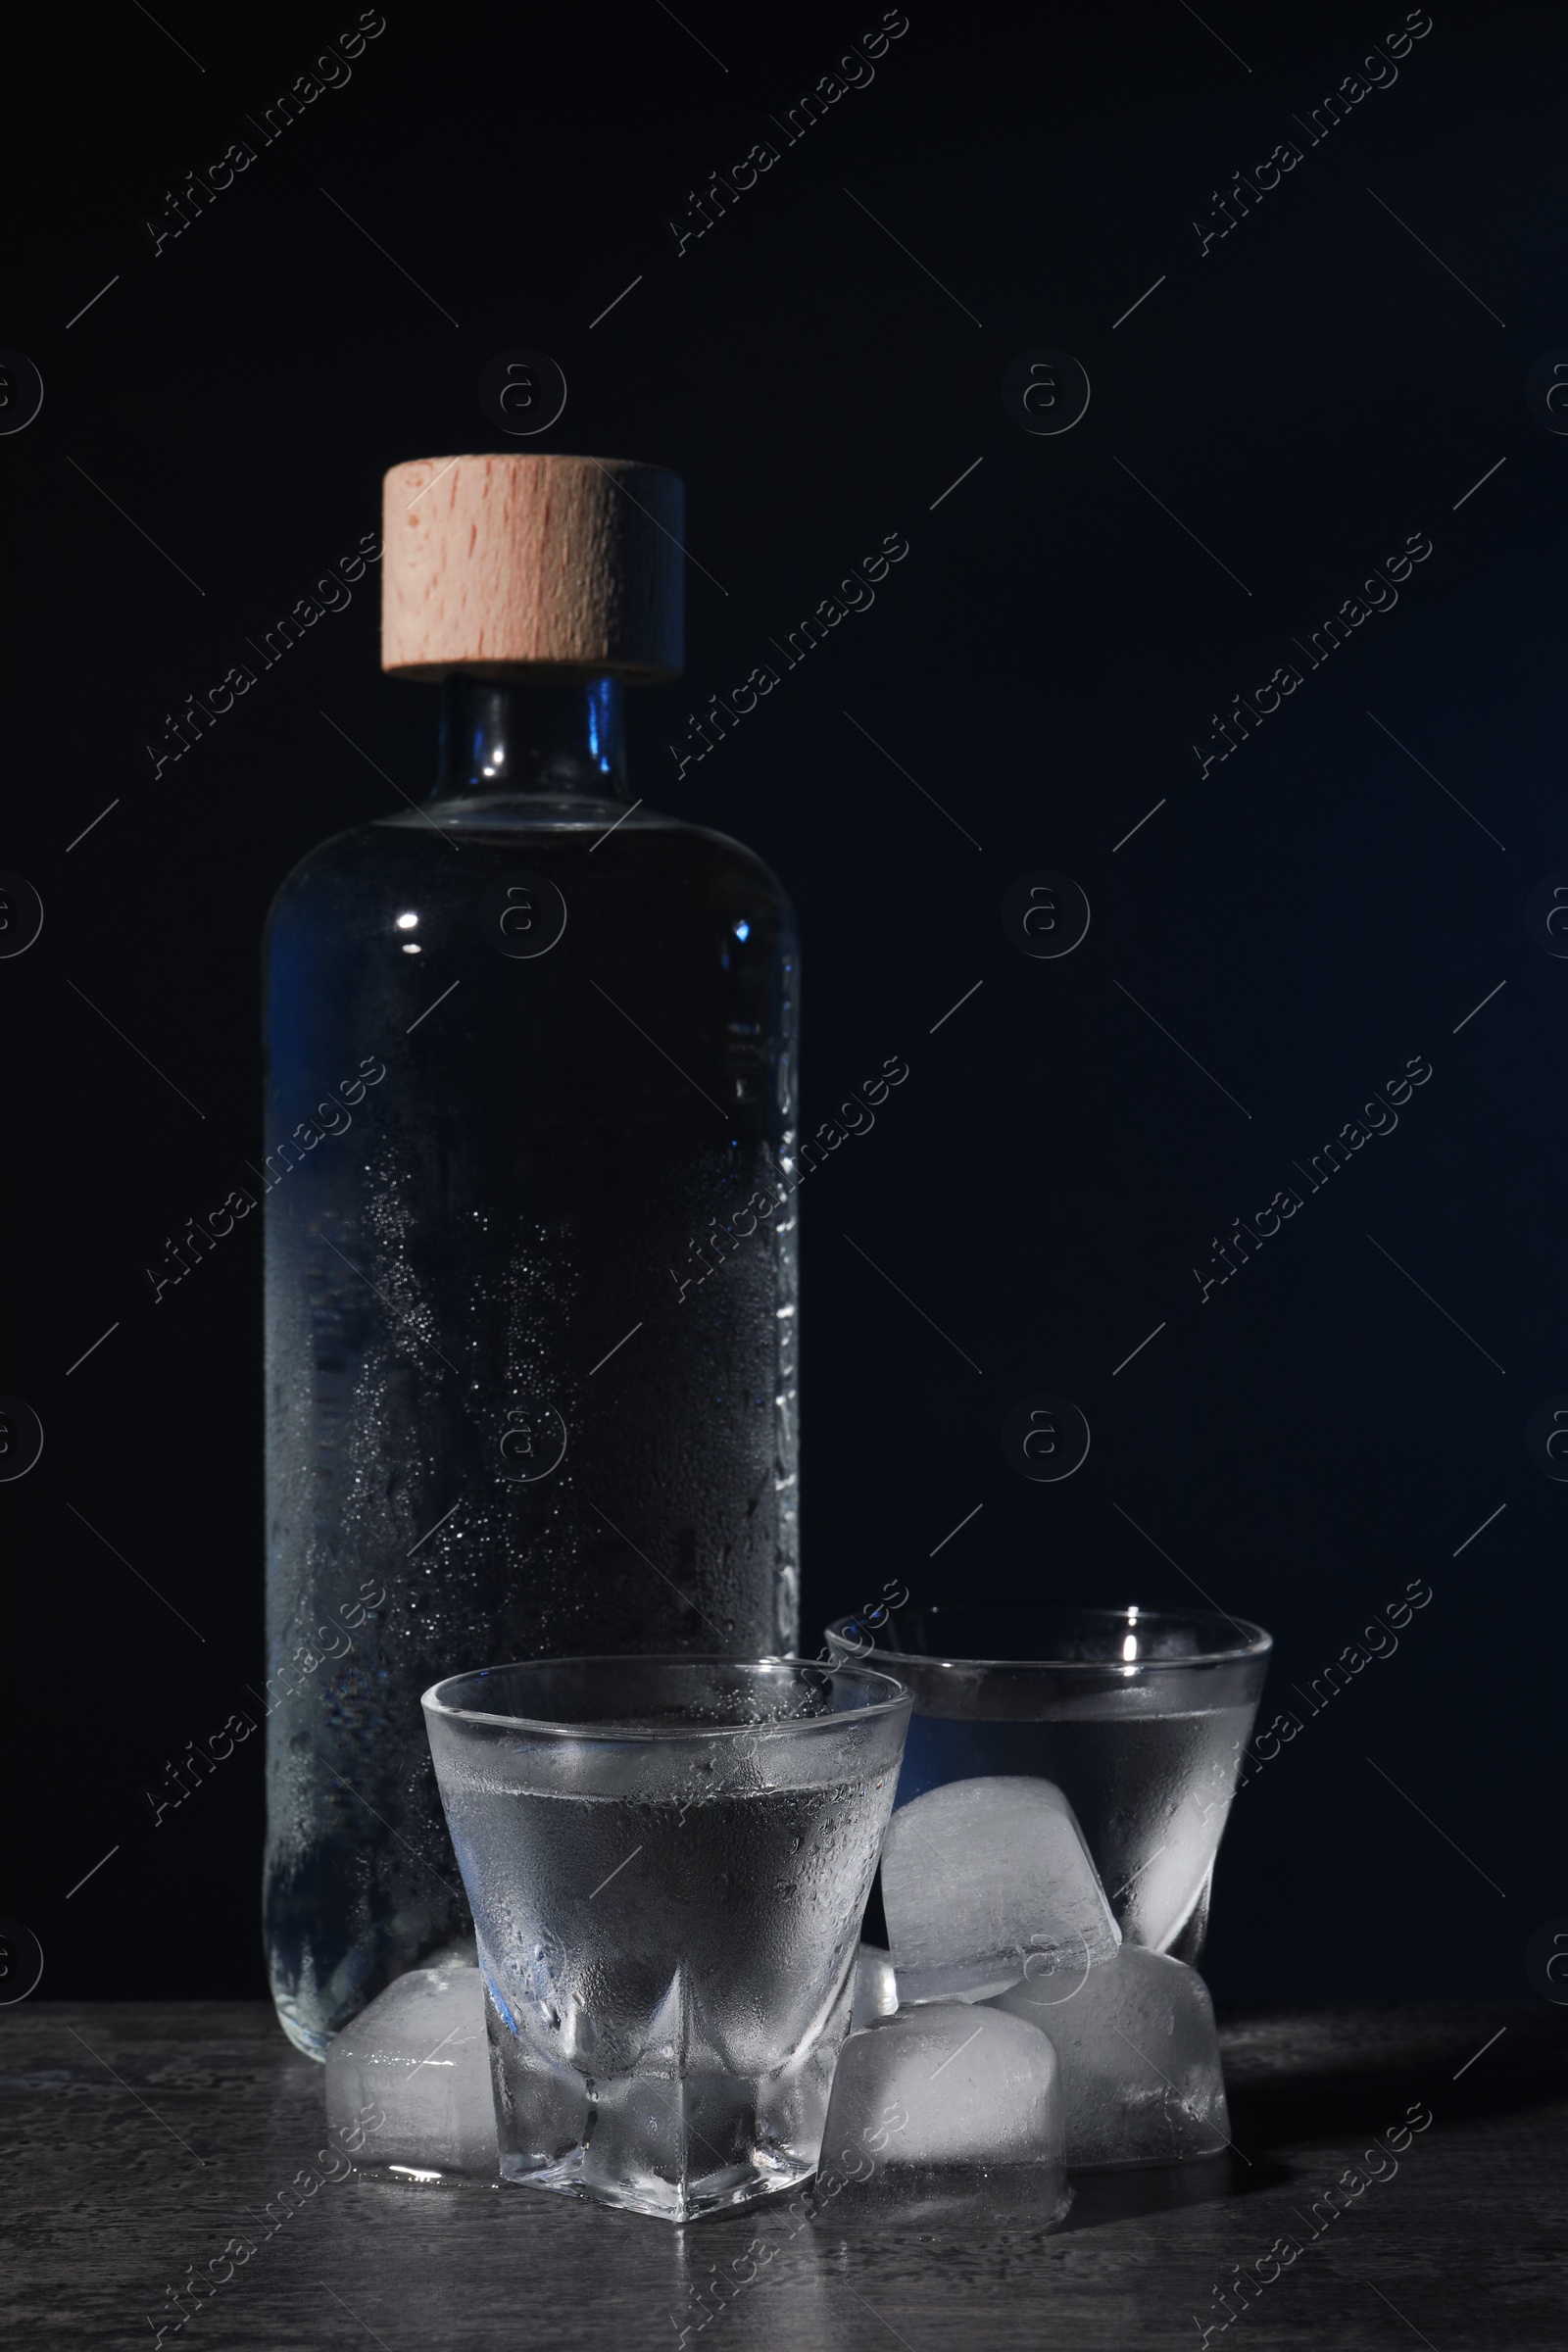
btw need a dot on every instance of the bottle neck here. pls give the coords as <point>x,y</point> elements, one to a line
<point>509,737</point>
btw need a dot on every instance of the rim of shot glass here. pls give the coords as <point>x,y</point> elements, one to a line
<point>1254,1641</point>
<point>892,1696</point>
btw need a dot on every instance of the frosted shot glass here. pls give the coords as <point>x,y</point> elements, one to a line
<point>666,1860</point>
<point>1139,1717</point>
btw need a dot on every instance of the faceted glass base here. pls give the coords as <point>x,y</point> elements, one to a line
<point>678,2146</point>
<point>719,2192</point>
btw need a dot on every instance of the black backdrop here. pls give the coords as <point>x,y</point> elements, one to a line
<point>1283,412</point>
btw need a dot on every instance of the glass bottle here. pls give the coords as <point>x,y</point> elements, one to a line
<point>530,1239</point>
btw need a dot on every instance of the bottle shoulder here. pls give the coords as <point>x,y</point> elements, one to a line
<point>445,843</point>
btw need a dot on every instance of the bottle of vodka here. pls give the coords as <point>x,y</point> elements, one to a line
<point>531,1162</point>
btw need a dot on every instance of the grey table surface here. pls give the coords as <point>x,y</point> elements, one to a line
<point>143,2139</point>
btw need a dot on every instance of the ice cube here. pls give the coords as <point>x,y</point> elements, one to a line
<point>945,2112</point>
<point>876,1993</point>
<point>983,1879</point>
<point>408,2082</point>
<point>1139,2059</point>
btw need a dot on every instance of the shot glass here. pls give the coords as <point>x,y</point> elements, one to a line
<point>666,1860</point>
<point>1139,1717</point>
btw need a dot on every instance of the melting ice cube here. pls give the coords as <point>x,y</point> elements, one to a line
<point>876,1992</point>
<point>987,1881</point>
<point>1139,2059</point>
<point>408,2082</point>
<point>947,2111</point>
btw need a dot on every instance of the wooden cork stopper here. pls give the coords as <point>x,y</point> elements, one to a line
<point>521,563</point>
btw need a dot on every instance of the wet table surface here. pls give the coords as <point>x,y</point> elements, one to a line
<point>144,2141</point>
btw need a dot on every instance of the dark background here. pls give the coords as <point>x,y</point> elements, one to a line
<point>1312,391</point>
